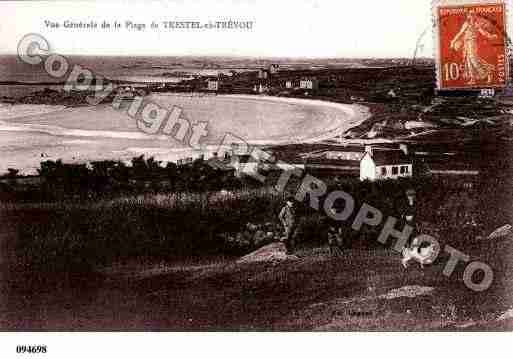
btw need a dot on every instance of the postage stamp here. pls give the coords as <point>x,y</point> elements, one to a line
<point>471,43</point>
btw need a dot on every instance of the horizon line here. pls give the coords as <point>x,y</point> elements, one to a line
<point>245,56</point>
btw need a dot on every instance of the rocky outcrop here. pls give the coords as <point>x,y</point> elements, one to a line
<point>274,252</point>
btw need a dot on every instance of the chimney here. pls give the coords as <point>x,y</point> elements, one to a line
<point>368,149</point>
<point>235,149</point>
<point>403,147</point>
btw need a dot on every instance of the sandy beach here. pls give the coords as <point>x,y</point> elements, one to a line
<point>30,134</point>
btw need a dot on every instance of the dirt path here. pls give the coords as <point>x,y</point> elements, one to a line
<point>362,290</point>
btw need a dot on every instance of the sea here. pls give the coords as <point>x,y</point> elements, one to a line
<point>16,74</point>
<point>30,134</point>
<point>18,79</point>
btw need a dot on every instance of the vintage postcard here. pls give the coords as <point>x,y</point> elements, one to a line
<point>244,166</point>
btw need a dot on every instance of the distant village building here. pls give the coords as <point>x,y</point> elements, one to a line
<point>261,88</point>
<point>487,93</point>
<point>344,153</point>
<point>380,164</point>
<point>345,156</point>
<point>185,161</point>
<point>291,84</point>
<point>263,74</point>
<point>213,85</point>
<point>222,164</point>
<point>244,165</point>
<point>335,159</point>
<point>309,84</point>
<point>274,68</point>
<point>125,93</point>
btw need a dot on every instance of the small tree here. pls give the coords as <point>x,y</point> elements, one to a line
<point>12,173</point>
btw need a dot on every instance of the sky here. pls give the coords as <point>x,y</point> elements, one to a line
<point>285,28</point>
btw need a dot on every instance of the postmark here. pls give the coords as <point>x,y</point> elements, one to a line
<point>471,44</point>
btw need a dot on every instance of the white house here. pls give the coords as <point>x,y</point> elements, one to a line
<point>245,165</point>
<point>309,84</point>
<point>213,85</point>
<point>292,84</point>
<point>380,164</point>
<point>261,88</point>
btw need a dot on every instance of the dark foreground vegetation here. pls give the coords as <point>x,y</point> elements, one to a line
<point>77,217</point>
<point>81,265</point>
<point>58,181</point>
<point>76,244</point>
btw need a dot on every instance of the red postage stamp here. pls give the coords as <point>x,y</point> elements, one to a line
<point>471,41</point>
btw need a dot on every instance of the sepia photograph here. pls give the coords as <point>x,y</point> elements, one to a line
<point>255,166</point>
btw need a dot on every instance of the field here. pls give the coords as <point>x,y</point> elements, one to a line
<point>362,290</point>
<point>161,262</point>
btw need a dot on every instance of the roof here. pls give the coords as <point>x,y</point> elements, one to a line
<point>331,162</point>
<point>219,164</point>
<point>390,157</point>
<point>334,149</point>
<point>245,158</point>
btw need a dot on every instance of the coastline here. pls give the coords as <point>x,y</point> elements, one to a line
<point>84,145</point>
<point>356,114</point>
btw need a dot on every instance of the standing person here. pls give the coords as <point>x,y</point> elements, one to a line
<point>334,231</point>
<point>335,240</point>
<point>409,213</point>
<point>287,218</point>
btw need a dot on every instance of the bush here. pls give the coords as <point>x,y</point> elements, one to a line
<point>70,234</point>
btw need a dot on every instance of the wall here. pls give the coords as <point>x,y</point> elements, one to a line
<point>389,174</point>
<point>367,168</point>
